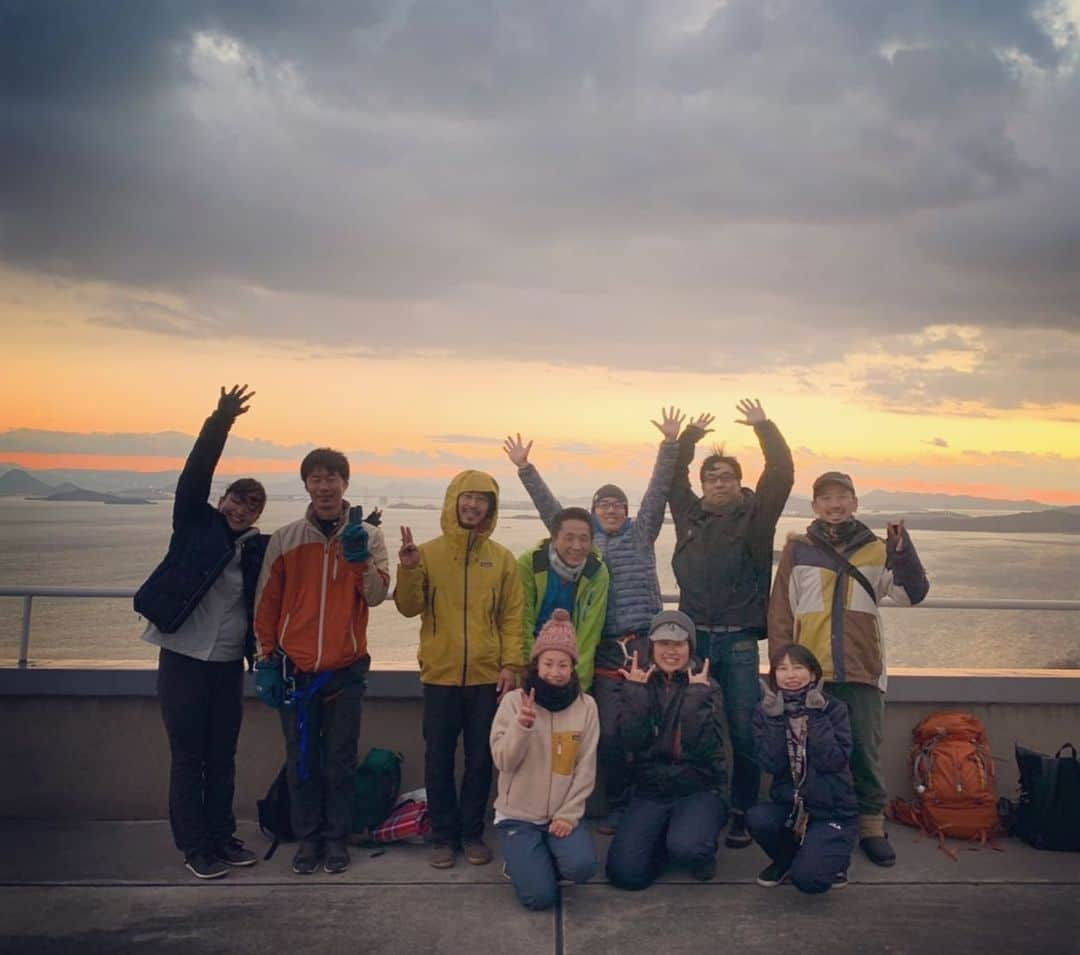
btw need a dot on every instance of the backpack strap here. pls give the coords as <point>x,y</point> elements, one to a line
<point>843,565</point>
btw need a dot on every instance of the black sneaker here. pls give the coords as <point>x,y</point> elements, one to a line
<point>878,850</point>
<point>233,853</point>
<point>737,836</point>
<point>773,875</point>
<point>337,858</point>
<point>205,865</point>
<point>307,858</point>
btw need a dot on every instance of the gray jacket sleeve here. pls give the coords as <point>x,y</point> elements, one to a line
<point>650,515</point>
<point>547,506</point>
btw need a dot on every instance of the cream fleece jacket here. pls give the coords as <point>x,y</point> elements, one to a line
<point>548,771</point>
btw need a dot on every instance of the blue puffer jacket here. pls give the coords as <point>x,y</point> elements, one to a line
<point>201,544</point>
<point>630,553</point>
<point>829,791</point>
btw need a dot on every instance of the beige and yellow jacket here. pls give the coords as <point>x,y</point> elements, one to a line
<point>547,771</point>
<point>468,592</point>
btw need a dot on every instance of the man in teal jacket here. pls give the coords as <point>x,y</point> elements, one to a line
<point>564,571</point>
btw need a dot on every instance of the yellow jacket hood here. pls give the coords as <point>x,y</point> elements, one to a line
<point>476,481</point>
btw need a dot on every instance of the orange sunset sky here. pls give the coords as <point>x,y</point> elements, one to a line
<point>411,238</point>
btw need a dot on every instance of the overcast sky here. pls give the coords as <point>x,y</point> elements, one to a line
<point>841,200</point>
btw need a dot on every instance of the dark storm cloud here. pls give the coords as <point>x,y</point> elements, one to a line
<point>506,177</point>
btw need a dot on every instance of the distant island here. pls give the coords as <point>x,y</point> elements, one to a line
<point>81,494</point>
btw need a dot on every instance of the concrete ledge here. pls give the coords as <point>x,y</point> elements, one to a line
<point>907,685</point>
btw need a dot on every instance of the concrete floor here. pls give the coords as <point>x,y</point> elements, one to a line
<point>120,887</point>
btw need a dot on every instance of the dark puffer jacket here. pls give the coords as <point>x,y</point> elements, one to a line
<point>829,791</point>
<point>723,561</point>
<point>674,729</point>
<point>201,545</point>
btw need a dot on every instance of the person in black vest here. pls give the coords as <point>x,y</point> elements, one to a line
<point>723,563</point>
<point>199,602</point>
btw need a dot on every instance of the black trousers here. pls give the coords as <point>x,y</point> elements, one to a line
<point>320,797</point>
<point>202,705</point>
<point>451,712</point>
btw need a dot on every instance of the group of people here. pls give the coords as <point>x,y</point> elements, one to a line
<point>559,668</point>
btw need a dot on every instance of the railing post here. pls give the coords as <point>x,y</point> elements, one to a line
<point>24,640</point>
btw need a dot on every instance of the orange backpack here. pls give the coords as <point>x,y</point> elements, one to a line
<point>952,772</point>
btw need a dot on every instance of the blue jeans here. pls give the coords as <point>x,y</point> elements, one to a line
<point>734,664</point>
<point>536,860</point>
<point>657,829</point>
<point>823,855</point>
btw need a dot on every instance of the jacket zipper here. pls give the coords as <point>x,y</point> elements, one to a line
<point>465,615</point>
<point>322,602</point>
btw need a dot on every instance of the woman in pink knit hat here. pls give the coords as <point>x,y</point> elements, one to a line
<point>543,743</point>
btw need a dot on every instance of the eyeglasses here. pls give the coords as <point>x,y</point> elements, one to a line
<point>726,478</point>
<point>610,505</point>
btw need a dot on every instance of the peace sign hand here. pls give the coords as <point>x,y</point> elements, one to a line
<point>752,412</point>
<point>635,674</point>
<point>670,422</point>
<point>517,451</point>
<point>235,402</point>
<point>527,713</point>
<point>702,676</point>
<point>894,535</point>
<point>409,555</point>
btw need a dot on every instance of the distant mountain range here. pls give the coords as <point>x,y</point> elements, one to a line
<point>919,510</point>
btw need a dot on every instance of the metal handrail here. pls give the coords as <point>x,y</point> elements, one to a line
<point>28,592</point>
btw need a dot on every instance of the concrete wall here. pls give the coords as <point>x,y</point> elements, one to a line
<point>80,744</point>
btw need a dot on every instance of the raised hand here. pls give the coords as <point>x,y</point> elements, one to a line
<point>670,422</point>
<point>409,555</point>
<point>527,713</point>
<point>894,535</point>
<point>354,541</point>
<point>517,451</point>
<point>752,412</point>
<point>235,402</point>
<point>815,696</point>
<point>702,423</point>
<point>560,828</point>
<point>772,703</point>
<point>702,676</point>
<point>635,674</point>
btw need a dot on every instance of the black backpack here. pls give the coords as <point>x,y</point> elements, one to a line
<point>1048,816</point>
<point>274,813</point>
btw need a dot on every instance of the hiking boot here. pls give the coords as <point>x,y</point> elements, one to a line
<point>477,852</point>
<point>773,875</point>
<point>840,882</point>
<point>443,856</point>
<point>232,852</point>
<point>337,858</point>
<point>704,871</point>
<point>878,850</point>
<point>307,858</point>
<point>610,822</point>
<point>205,865</point>
<point>737,836</point>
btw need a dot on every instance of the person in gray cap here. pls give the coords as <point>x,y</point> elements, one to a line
<point>628,548</point>
<point>670,719</point>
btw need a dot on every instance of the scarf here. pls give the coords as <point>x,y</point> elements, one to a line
<point>553,698</point>
<point>795,710</point>
<point>838,536</point>
<point>570,574</point>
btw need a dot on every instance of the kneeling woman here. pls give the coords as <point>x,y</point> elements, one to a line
<point>670,719</point>
<point>543,743</point>
<point>803,738</point>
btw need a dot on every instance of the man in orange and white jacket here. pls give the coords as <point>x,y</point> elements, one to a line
<point>319,577</point>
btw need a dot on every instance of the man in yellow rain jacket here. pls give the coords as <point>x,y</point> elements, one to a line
<point>468,592</point>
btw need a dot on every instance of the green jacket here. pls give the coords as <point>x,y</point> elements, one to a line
<point>590,603</point>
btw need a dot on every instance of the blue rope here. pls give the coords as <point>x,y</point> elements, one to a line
<point>302,700</point>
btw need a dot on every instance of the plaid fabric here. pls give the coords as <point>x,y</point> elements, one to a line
<point>408,821</point>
